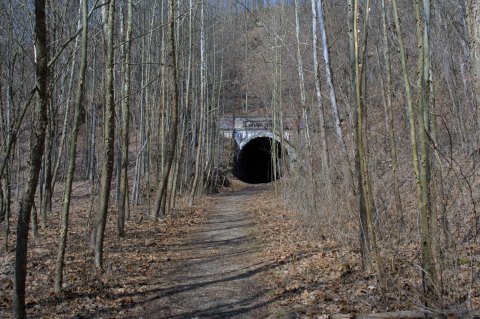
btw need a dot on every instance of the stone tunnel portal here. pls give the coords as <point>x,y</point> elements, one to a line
<point>256,164</point>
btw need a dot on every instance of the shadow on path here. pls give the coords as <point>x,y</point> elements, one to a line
<point>216,278</point>
<point>216,274</point>
<point>217,271</point>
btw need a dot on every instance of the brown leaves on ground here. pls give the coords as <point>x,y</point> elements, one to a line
<point>313,275</point>
<point>132,265</point>
<point>317,275</point>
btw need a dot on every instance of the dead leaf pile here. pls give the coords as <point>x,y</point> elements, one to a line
<point>132,269</point>
<point>318,275</point>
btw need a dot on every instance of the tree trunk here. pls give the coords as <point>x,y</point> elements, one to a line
<point>201,124</point>
<point>123,198</point>
<point>109,140</point>
<point>421,168</point>
<point>328,72</point>
<point>430,277</point>
<point>367,227</point>
<point>318,94</point>
<point>46,204</point>
<point>390,121</point>
<point>7,196</point>
<point>161,196</point>
<point>73,152</point>
<point>301,83</point>
<point>364,204</point>
<point>473,20</point>
<point>26,202</point>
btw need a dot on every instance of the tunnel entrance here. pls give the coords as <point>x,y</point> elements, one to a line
<point>255,162</point>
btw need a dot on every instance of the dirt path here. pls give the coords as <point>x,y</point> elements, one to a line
<point>218,274</point>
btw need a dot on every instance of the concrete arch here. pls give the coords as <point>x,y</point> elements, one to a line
<point>254,158</point>
<point>251,135</point>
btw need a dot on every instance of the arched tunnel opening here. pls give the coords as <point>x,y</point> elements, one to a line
<point>256,162</point>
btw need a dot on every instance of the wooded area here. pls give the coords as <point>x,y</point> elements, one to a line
<point>115,106</point>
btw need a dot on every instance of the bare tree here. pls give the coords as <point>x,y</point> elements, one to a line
<point>36,152</point>
<point>431,281</point>
<point>73,151</point>
<point>328,72</point>
<point>473,20</point>
<point>421,166</point>
<point>108,139</point>
<point>318,94</point>
<point>201,125</point>
<point>366,208</point>
<point>161,196</point>
<point>387,96</point>
<point>125,140</point>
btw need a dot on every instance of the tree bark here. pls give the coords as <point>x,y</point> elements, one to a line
<point>328,72</point>
<point>390,121</point>
<point>201,125</point>
<point>430,278</point>
<point>161,198</point>
<point>420,166</point>
<point>473,20</point>
<point>109,141</point>
<point>303,104</point>
<point>123,198</point>
<point>36,153</point>
<point>73,152</point>
<point>46,204</point>
<point>318,94</point>
<point>364,202</point>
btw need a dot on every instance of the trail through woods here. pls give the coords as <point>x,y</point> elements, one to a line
<point>238,254</point>
<point>217,274</point>
<point>202,261</point>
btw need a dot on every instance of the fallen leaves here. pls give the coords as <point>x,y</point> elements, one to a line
<point>314,275</point>
<point>132,270</point>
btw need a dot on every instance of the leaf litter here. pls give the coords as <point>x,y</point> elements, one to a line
<point>314,275</point>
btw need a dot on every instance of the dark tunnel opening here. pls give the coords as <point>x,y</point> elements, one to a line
<point>256,164</point>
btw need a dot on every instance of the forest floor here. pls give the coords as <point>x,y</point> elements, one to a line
<point>218,271</point>
<point>237,254</point>
<point>231,255</point>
